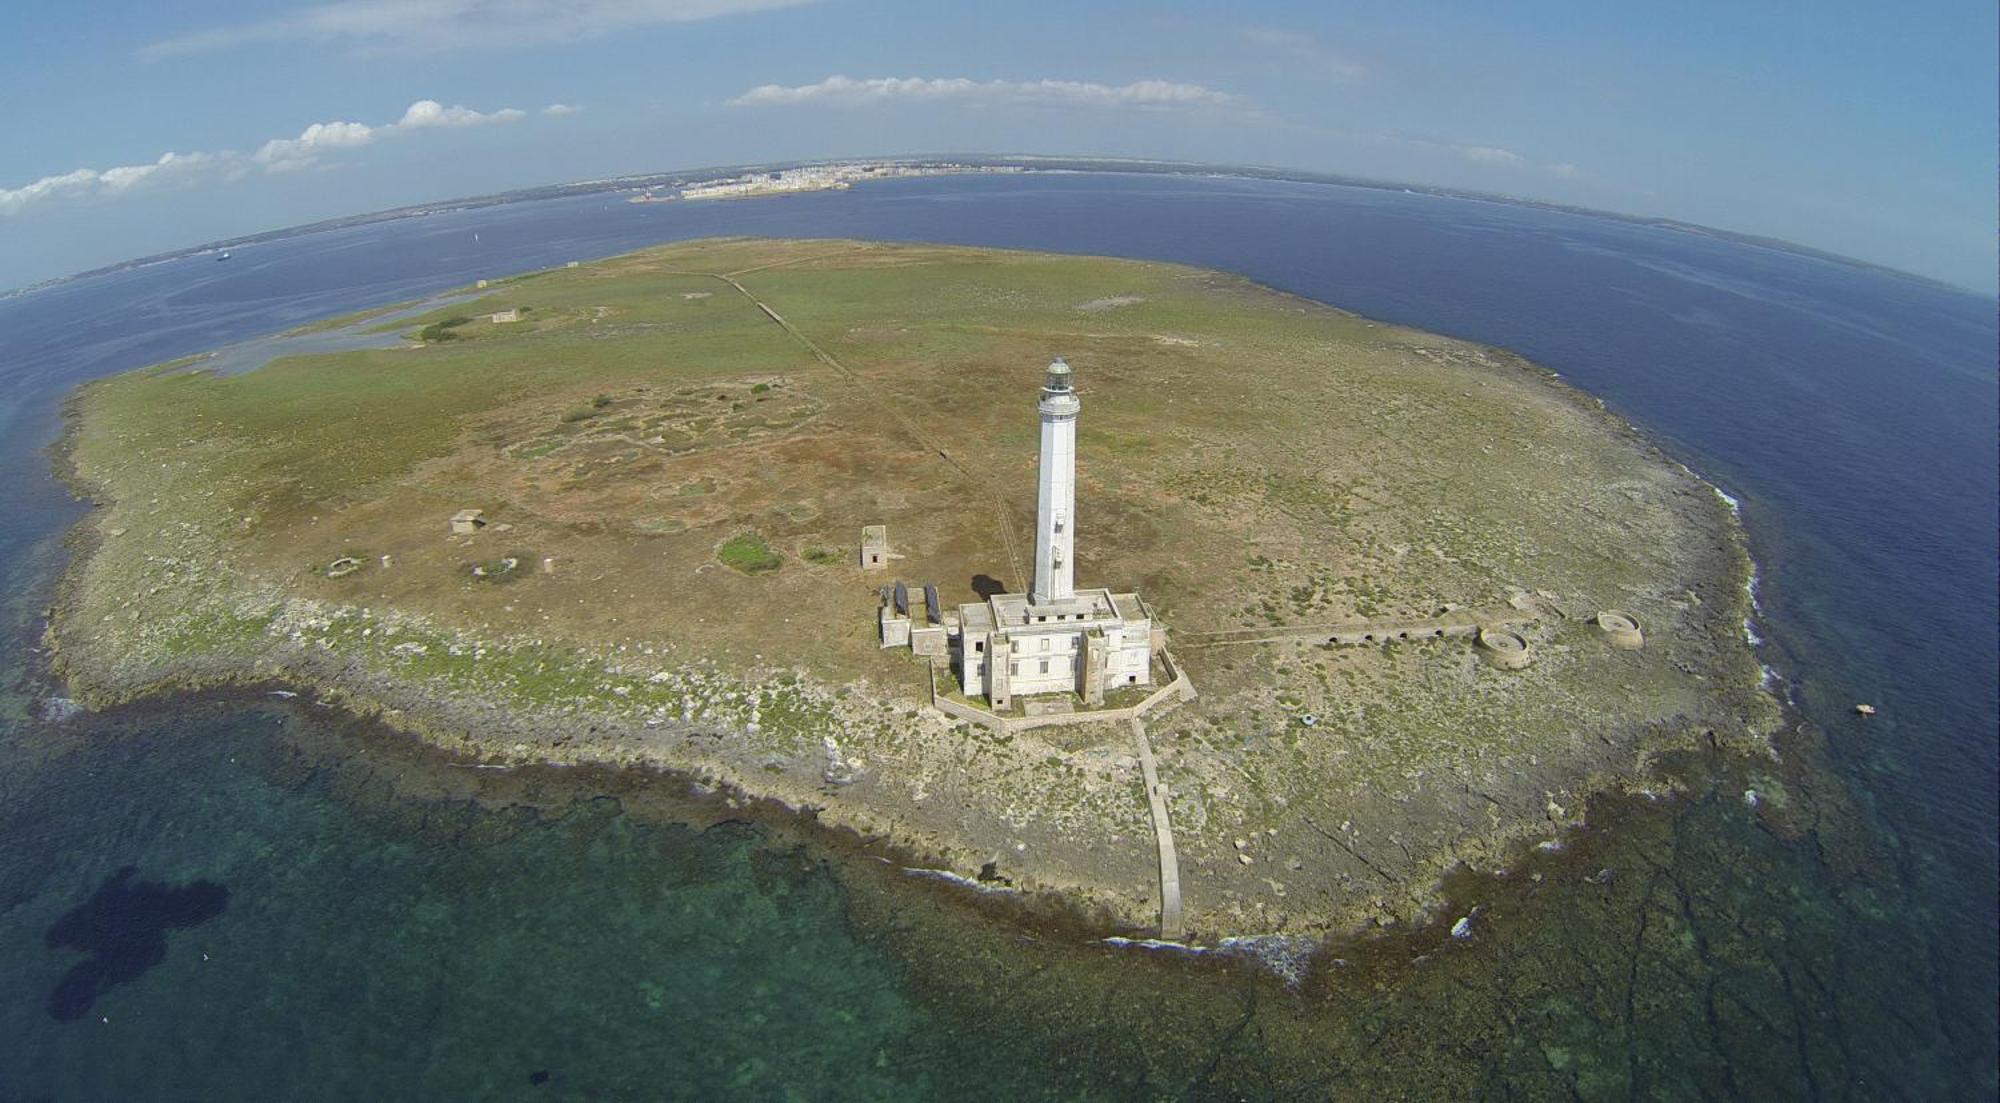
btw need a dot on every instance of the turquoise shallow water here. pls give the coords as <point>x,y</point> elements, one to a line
<point>400,926</point>
<point>382,941</point>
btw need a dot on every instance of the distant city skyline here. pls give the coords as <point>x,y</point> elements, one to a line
<point>1850,129</point>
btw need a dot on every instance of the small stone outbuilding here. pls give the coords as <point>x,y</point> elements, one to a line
<point>467,522</point>
<point>874,547</point>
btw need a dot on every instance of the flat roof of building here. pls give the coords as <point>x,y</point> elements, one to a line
<point>975,618</point>
<point>1087,608</point>
<point>1130,608</point>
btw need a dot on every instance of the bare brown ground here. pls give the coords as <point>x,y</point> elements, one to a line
<point>1248,460</point>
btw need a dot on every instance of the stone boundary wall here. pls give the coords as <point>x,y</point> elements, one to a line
<point>1175,691</point>
<point>1456,625</point>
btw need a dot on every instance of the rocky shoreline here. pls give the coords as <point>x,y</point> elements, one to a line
<point>701,759</point>
<point>1315,789</point>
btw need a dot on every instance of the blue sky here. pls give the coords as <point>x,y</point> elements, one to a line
<point>1866,129</point>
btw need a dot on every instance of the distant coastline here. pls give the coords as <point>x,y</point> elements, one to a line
<point>951,164</point>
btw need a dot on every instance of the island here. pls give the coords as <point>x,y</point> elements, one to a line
<point>1380,603</point>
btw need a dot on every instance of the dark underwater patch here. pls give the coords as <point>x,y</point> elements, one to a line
<point>123,927</point>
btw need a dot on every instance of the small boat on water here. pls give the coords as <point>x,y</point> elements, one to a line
<point>224,255</point>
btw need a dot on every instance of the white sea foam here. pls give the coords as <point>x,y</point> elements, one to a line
<point>957,879</point>
<point>1288,957</point>
<point>1155,944</point>
<point>55,710</point>
<point>1750,586</point>
<point>1735,505</point>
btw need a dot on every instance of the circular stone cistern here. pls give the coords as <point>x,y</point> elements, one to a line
<point>1505,648</point>
<point>1621,629</point>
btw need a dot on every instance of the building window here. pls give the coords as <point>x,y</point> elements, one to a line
<point>978,645</point>
<point>1013,669</point>
<point>1045,666</point>
<point>1045,643</point>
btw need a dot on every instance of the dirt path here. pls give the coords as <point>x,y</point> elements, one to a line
<point>889,403</point>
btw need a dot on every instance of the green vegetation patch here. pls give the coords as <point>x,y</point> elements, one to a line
<point>749,553</point>
<point>445,330</point>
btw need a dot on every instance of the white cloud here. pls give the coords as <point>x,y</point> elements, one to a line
<point>1485,156</point>
<point>48,187</point>
<point>1147,94</point>
<point>284,154</point>
<point>1508,159</point>
<point>428,26</point>
<point>425,113</point>
<point>126,177</point>
<point>1302,48</point>
<point>560,109</point>
<point>1492,155</point>
<point>276,155</point>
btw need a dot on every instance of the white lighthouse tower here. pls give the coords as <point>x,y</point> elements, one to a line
<point>1054,639</point>
<point>1055,512</point>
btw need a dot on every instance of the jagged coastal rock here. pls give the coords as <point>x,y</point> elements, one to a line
<point>1407,574</point>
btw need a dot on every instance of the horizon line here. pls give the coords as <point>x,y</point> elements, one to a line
<point>526,194</point>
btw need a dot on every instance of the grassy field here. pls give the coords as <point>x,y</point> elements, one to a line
<point>679,484</point>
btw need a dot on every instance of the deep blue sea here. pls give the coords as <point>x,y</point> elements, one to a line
<point>244,897</point>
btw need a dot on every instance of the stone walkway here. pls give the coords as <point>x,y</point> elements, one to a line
<point>1172,927</point>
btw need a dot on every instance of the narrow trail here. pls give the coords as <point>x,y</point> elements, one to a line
<point>888,403</point>
<point>795,260</point>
